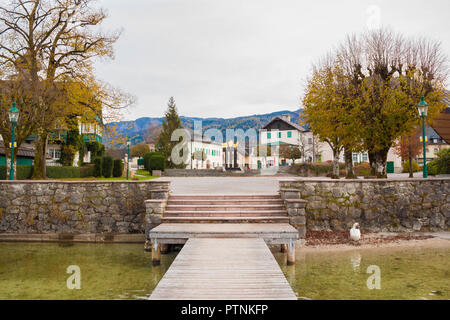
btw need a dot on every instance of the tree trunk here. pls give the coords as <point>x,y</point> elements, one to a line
<point>348,155</point>
<point>335,174</point>
<point>39,169</point>
<point>378,163</point>
<point>411,174</point>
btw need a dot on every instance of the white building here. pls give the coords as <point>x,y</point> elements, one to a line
<point>213,153</point>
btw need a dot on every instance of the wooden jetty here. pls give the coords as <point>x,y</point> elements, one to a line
<point>176,233</point>
<point>235,268</point>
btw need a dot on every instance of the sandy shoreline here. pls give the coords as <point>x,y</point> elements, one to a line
<point>397,244</point>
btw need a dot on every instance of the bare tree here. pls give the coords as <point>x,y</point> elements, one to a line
<point>51,42</point>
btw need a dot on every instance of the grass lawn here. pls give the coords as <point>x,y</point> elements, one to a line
<point>143,173</point>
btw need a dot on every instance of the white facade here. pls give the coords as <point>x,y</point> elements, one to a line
<point>212,150</point>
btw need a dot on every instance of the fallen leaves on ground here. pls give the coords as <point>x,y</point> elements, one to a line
<point>318,238</point>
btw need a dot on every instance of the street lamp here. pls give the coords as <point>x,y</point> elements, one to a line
<point>423,110</point>
<point>13,114</point>
<point>128,157</point>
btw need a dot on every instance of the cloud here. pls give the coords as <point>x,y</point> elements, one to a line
<point>230,57</point>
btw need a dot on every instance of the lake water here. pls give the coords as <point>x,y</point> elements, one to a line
<point>124,271</point>
<point>108,271</point>
<point>406,273</point>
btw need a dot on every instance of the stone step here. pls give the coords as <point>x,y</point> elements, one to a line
<point>224,202</point>
<point>223,196</point>
<point>263,219</point>
<point>210,213</point>
<point>232,208</point>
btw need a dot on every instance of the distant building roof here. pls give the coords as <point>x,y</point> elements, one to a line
<point>282,118</point>
<point>441,124</point>
<point>22,152</point>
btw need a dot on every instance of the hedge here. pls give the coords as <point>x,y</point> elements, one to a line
<point>107,167</point>
<point>25,172</point>
<point>147,157</point>
<point>156,162</point>
<point>98,163</point>
<point>117,168</point>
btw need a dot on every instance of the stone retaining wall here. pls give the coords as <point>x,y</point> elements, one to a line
<point>378,205</point>
<point>77,206</point>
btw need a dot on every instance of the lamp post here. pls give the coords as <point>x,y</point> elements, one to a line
<point>423,110</point>
<point>128,157</point>
<point>13,114</point>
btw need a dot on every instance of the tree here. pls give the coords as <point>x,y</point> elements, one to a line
<point>390,74</point>
<point>52,44</point>
<point>139,150</point>
<point>290,152</point>
<point>408,147</point>
<point>171,123</point>
<point>325,109</point>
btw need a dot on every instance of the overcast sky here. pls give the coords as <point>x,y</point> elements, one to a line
<point>227,58</point>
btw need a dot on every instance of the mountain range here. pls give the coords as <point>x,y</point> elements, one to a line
<point>147,128</point>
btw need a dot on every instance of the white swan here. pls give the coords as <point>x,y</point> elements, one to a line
<point>355,233</point>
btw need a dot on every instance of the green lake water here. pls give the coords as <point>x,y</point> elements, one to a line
<point>108,271</point>
<point>124,271</point>
<point>411,273</point>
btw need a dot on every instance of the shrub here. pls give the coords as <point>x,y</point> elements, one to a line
<point>157,162</point>
<point>405,166</point>
<point>362,169</point>
<point>443,161</point>
<point>98,164</point>
<point>107,167</point>
<point>117,168</point>
<point>147,157</point>
<point>2,172</point>
<point>433,168</point>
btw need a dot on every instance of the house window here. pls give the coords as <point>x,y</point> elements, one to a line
<point>365,158</point>
<point>289,134</point>
<point>310,141</point>
<point>279,134</point>
<point>355,157</point>
<point>268,135</point>
<point>436,150</point>
<point>54,153</point>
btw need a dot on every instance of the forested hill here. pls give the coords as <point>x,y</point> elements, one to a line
<point>147,129</point>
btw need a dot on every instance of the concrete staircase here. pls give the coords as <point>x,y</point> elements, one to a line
<point>240,208</point>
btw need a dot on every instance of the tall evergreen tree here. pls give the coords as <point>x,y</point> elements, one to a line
<point>172,122</point>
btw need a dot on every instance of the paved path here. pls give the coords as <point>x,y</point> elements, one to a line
<point>224,269</point>
<point>223,185</point>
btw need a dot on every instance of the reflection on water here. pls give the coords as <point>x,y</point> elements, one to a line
<point>405,274</point>
<point>108,271</point>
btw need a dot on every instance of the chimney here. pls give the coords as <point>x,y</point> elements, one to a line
<point>287,117</point>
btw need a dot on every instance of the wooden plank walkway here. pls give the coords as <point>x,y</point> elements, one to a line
<point>272,233</point>
<point>224,269</point>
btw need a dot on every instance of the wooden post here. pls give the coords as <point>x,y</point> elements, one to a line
<point>164,248</point>
<point>291,253</point>
<point>156,251</point>
<point>283,248</point>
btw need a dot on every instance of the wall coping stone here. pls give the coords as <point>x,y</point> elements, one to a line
<point>81,181</point>
<point>364,180</point>
<point>295,200</point>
